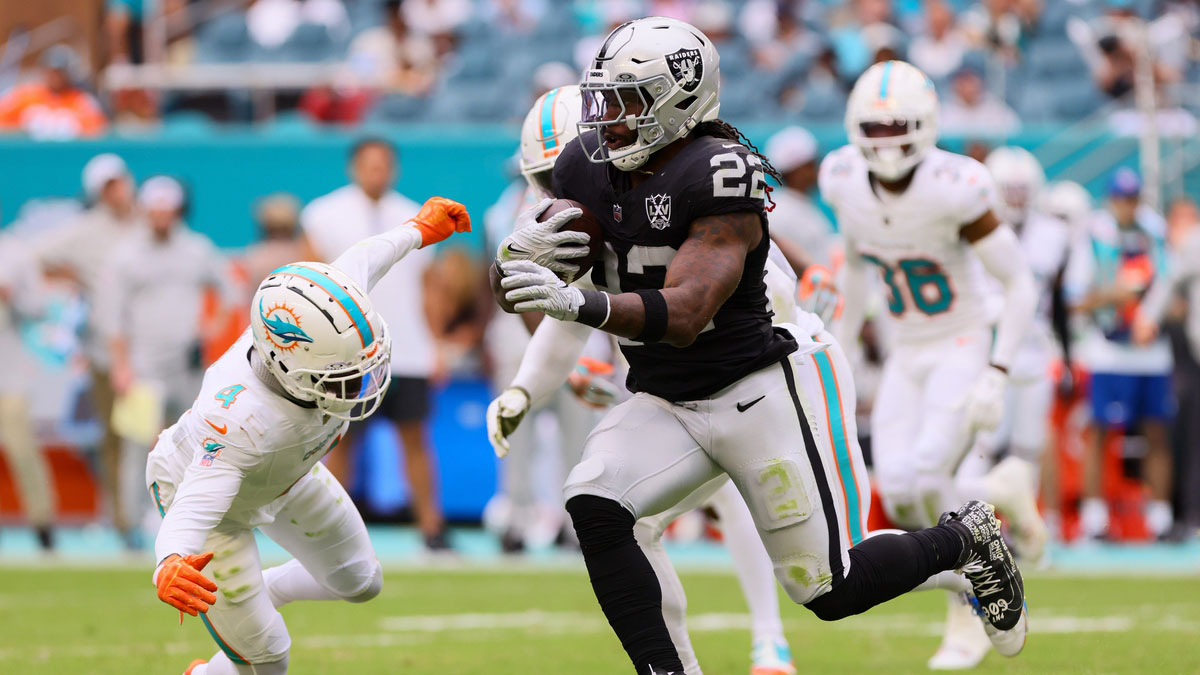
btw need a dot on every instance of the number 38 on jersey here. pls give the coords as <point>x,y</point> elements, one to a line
<point>928,287</point>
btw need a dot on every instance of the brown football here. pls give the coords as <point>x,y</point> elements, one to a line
<point>585,223</point>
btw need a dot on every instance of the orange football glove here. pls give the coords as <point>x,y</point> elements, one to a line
<point>182,586</point>
<point>439,218</point>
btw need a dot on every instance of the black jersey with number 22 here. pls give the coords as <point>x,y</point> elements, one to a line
<point>644,228</point>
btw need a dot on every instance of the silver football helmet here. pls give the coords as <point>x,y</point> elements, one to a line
<point>658,76</point>
<point>1020,178</point>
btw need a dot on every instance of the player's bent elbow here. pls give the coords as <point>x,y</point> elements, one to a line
<point>679,339</point>
<point>684,333</point>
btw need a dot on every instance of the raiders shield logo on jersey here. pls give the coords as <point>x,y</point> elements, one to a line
<point>658,210</point>
<point>686,67</point>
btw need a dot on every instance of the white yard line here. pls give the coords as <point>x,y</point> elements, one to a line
<point>399,631</point>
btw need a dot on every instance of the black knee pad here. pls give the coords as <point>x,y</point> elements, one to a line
<point>601,524</point>
<point>832,606</point>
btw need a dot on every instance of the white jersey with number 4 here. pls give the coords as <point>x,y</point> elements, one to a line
<point>935,286</point>
<point>243,444</point>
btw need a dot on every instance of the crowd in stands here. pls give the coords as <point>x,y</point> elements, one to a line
<point>995,62</point>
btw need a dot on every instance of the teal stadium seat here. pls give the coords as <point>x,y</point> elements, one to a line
<point>225,39</point>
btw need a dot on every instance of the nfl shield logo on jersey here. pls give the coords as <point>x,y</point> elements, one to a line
<point>658,210</point>
<point>617,212</point>
<point>686,67</point>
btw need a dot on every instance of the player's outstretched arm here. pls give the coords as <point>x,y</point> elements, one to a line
<point>701,277</point>
<point>998,249</point>
<point>367,261</point>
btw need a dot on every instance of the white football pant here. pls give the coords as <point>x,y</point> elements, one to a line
<point>919,432</point>
<point>786,437</point>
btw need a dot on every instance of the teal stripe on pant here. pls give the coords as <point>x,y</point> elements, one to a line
<point>233,656</point>
<point>841,448</point>
<point>158,502</point>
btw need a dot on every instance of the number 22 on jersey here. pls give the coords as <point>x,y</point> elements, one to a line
<point>928,286</point>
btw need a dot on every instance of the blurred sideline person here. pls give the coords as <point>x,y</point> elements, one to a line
<point>1024,432</point>
<point>796,217</point>
<point>333,223</point>
<point>1070,203</point>
<point>20,299</point>
<point>279,237</point>
<point>55,108</point>
<point>246,456</point>
<point>923,218</point>
<point>81,252</point>
<point>156,280</point>
<point>1163,307</point>
<point>1113,266</point>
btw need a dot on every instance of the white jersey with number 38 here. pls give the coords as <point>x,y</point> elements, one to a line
<point>935,286</point>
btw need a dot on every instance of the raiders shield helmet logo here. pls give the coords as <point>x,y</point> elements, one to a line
<point>658,210</point>
<point>687,68</point>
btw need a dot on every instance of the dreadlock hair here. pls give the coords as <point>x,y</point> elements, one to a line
<point>721,129</point>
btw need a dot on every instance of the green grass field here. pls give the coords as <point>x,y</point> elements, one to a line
<point>528,622</point>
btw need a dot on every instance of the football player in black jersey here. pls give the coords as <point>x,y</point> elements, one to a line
<point>717,388</point>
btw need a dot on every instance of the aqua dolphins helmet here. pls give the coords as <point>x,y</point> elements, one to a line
<point>321,337</point>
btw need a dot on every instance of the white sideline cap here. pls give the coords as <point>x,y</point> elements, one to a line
<point>161,192</point>
<point>99,171</point>
<point>791,147</point>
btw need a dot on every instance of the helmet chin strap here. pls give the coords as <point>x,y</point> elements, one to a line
<point>264,374</point>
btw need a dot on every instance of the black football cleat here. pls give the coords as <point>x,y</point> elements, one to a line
<point>998,592</point>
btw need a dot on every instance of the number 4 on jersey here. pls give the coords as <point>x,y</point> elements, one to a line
<point>228,395</point>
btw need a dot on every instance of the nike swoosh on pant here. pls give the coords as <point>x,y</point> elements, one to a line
<point>743,407</point>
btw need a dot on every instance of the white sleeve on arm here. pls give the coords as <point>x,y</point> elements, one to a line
<point>201,502</point>
<point>204,495</point>
<point>552,353</point>
<point>367,261</point>
<point>1001,255</point>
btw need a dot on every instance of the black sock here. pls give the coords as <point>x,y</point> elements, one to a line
<point>885,566</point>
<point>624,582</point>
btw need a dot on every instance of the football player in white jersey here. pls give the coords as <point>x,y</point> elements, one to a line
<point>923,218</point>
<point>550,125</point>
<point>246,455</point>
<point>1046,241</point>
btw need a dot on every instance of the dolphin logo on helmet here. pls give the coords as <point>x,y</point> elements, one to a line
<point>289,333</point>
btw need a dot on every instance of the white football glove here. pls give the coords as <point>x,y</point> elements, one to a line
<point>530,287</point>
<point>984,403</point>
<point>504,415</point>
<point>543,243</point>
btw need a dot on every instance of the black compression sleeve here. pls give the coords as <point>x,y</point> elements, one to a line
<point>654,326</point>
<point>594,310</point>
